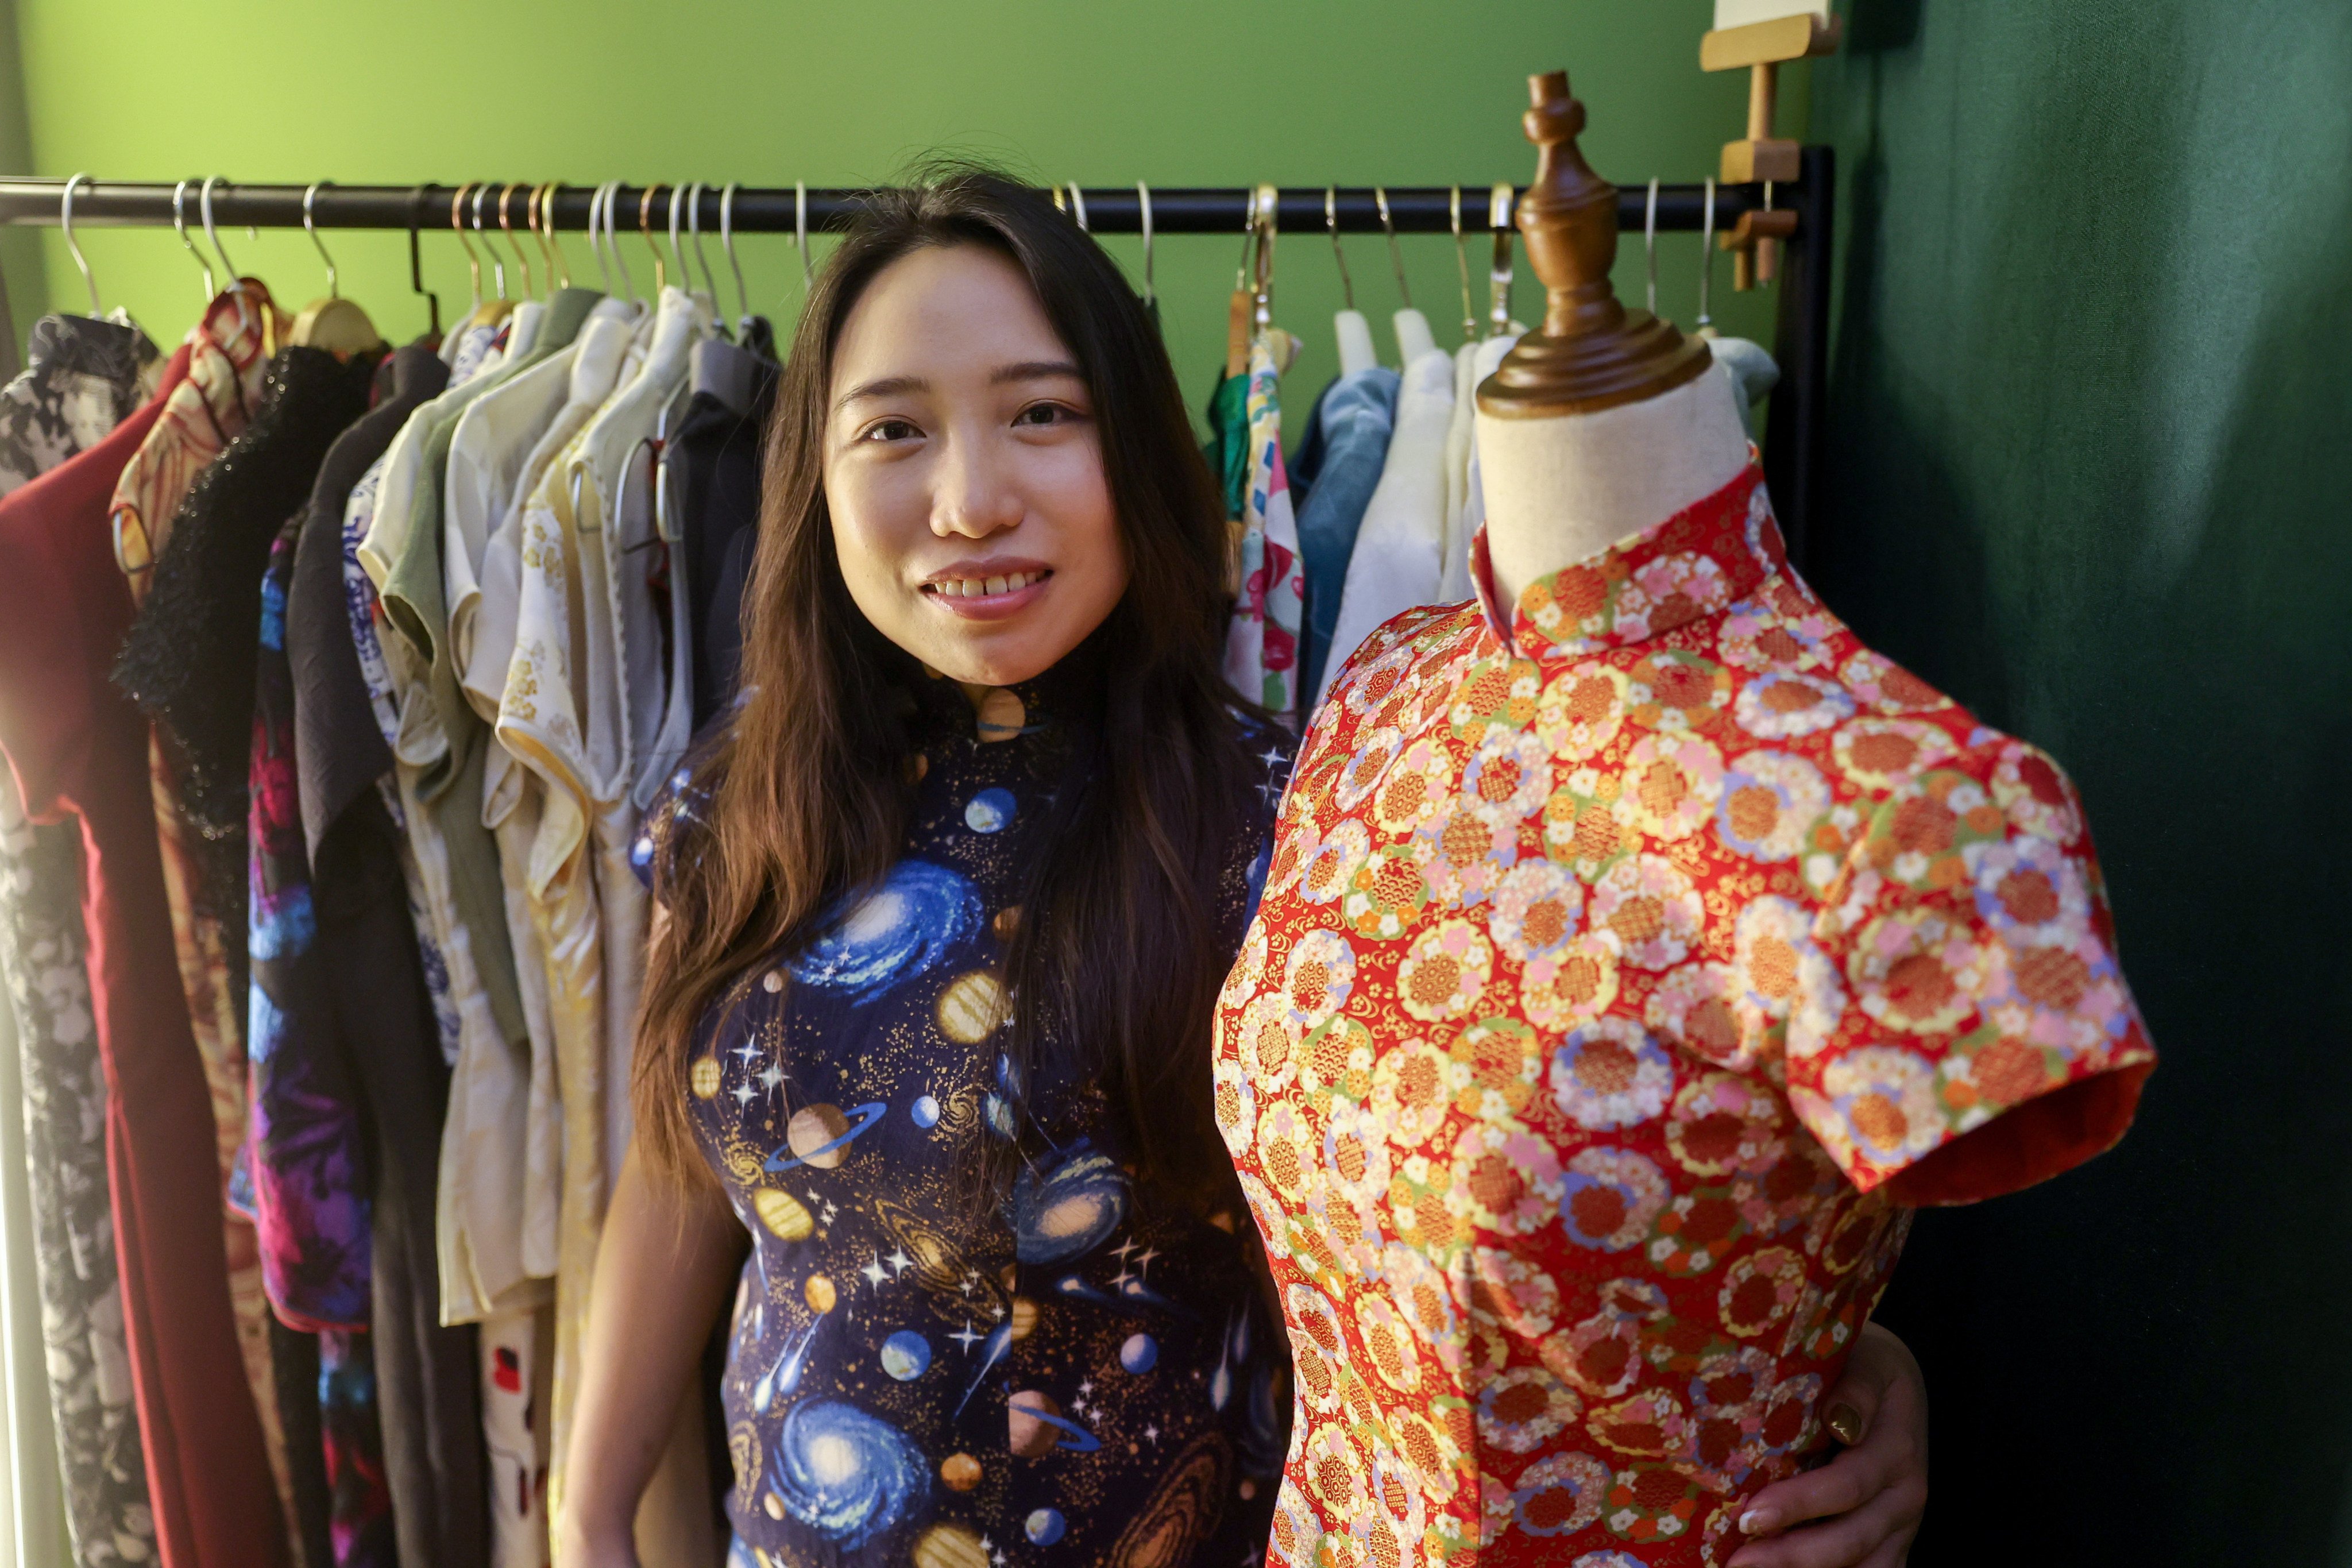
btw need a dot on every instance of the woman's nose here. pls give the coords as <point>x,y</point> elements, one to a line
<point>973,494</point>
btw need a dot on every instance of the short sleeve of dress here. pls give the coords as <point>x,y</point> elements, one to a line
<point>1958,1025</point>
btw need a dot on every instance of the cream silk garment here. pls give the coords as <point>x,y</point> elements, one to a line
<point>501,1166</point>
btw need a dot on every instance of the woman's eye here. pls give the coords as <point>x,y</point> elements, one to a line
<point>1045,414</point>
<point>891,430</point>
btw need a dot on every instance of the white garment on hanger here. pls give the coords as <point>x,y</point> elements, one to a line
<point>1470,511</point>
<point>1398,557</point>
<point>1751,371</point>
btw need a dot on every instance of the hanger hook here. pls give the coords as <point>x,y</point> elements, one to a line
<point>596,232</point>
<point>1706,256</point>
<point>1498,278</point>
<point>416,261</point>
<point>1396,256</point>
<point>543,228</point>
<point>645,227</point>
<point>65,223</point>
<point>1332,222</point>
<point>245,322</point>
<point>498,262</point>
<point>310,228</point>
<point>612,241</point>
<point>1649,241</point>
<point>701,255</point>
<point>1143,206</point>
<point>506,226</point>
<point>1078,207</point>
<point>677,256</point>
<point>1269,214</point>
<point>212,236</point>
<point>727,244</point>
<point>800,237</point>
<point>180,227</point>
<point>1462,265</point>
<point>458,227</point>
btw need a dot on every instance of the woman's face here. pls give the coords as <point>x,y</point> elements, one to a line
<point>963,470</point>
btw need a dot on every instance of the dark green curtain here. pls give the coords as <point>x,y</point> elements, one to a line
<point>2090,469</point>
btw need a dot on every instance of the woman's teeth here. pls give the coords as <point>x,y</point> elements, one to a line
<point>977,587</point>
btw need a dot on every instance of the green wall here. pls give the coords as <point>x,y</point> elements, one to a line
<point>2090,411</point>
<point>1205,93</point>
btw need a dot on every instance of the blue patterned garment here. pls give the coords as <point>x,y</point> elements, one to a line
<point>1083,1374</point>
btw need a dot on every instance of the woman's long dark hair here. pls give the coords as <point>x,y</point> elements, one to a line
<point>1114,967</point>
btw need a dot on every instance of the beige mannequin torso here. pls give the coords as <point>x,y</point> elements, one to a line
<point>1560,489</point>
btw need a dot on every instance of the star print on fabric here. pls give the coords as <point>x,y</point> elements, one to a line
<point>770,1077</point>
<point>745,1094</point>
<point>749,1050</point>
<point>875,1272</point>
<point>967,1339</point>
<point>899,1262</point>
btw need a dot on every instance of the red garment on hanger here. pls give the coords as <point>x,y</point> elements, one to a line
<point>78,750</point>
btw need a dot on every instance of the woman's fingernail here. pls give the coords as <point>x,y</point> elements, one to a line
<point>1845,1421</point>
<point>1758,1521</point>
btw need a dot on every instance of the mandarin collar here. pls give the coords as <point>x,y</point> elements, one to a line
<point>1704,558</point>
<point>942,711</point>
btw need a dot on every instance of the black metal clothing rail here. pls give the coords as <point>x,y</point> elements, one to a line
<point>1793,435</point>
<point>775,209</point>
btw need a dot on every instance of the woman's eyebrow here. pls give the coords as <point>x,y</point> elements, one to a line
<point>887,386</point>
<point>1035,370</point>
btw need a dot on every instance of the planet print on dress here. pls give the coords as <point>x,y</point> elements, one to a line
<point>1036,1426</point>
<point>894,934</point>
<point>1139,1354</point>
<point>1072,1211</point>
<point>990,811</point>
<point>950,1546</point>
<point>971,1007</point>
<point>925,1112</point>
<point>823,1153</point>
<point>848,1476</point>
<point>783,1214</point>
<point>1044,1526</point>
<point>905,1355</point>
<point>960,1472</point>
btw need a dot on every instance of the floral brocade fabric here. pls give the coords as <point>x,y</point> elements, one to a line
<point>1613,981</point>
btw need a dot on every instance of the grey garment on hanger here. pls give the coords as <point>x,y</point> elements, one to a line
<point>83,378</point>
<point>716,451</point>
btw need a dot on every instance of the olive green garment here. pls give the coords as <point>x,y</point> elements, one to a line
<point>416,603</point>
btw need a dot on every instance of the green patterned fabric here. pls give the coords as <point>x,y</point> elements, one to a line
<point>2090,411</point>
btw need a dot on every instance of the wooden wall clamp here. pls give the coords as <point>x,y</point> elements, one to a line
<point>1760,157</point>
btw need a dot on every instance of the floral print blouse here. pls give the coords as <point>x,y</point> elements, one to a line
<point>1620,976</point>
<point>1082,1374</point>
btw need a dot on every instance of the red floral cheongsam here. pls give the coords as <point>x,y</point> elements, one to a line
<point>1615,987</point>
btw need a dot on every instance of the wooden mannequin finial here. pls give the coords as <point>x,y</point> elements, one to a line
<point>1592,353</point>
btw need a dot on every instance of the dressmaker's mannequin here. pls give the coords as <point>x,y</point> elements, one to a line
<point>1602,424</point>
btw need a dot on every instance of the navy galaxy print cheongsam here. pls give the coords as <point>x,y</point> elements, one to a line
<point>1081,1373</point>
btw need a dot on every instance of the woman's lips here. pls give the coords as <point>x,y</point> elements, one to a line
<point>988,598</point>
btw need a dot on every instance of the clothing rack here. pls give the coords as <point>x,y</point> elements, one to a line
<point>1793,431</point>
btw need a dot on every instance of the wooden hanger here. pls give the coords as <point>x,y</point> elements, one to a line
<point>1591,352</point>
<point>334,323</point>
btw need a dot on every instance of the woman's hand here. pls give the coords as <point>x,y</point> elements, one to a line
<point>1869,1498</point>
